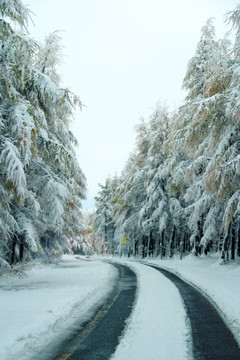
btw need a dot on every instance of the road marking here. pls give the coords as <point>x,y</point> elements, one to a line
<point>91,325</point>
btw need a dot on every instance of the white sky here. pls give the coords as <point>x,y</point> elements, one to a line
<point>121,58</point>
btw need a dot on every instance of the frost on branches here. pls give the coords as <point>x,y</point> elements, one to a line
<point>41,183</point>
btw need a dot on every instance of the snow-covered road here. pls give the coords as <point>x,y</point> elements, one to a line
<point>39,305</point>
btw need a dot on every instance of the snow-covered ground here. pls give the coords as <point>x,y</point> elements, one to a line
<point>39,304</point>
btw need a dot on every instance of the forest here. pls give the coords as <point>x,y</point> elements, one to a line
<point>179,191</point>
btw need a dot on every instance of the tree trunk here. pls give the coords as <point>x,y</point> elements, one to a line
<point>181,250</point>
<point>238,237</point>
<point>162,245</point>
<point>173,242</point>
<point>151,244</point>
<point>13,257</point>
<point>21,247</point>
<point>225,252</point>
<point>186,243</point>
<point>233,243</point>
<point>21,250</point>
<point>144,247</point>
<point>148,246</point>
<point>135,248</point>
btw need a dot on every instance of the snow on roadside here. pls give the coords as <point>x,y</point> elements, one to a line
<point>220,282</point>
<point>158,327</point>
<point>37,307</point>
<point>41,305</point>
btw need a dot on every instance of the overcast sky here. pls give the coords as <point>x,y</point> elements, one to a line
<point>121,58</point>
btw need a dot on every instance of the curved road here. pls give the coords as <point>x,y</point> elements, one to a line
<point>211,338</point>
<point>98,337</point>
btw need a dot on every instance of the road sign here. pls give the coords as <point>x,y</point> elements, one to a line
<point>124,240</point>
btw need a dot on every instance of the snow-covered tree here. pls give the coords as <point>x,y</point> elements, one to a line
<point>104,221</point>
<point>179,191</point>
<point>49,56</point>
<point>154,217</point>
<point>199,67</point>
<point>41,183</point>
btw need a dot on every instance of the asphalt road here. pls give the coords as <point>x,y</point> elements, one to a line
<point>98,338</point>
<point>212,340</point>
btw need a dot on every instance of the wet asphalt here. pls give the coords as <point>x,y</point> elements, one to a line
<point>98,338</point>
<point>211,338</point>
